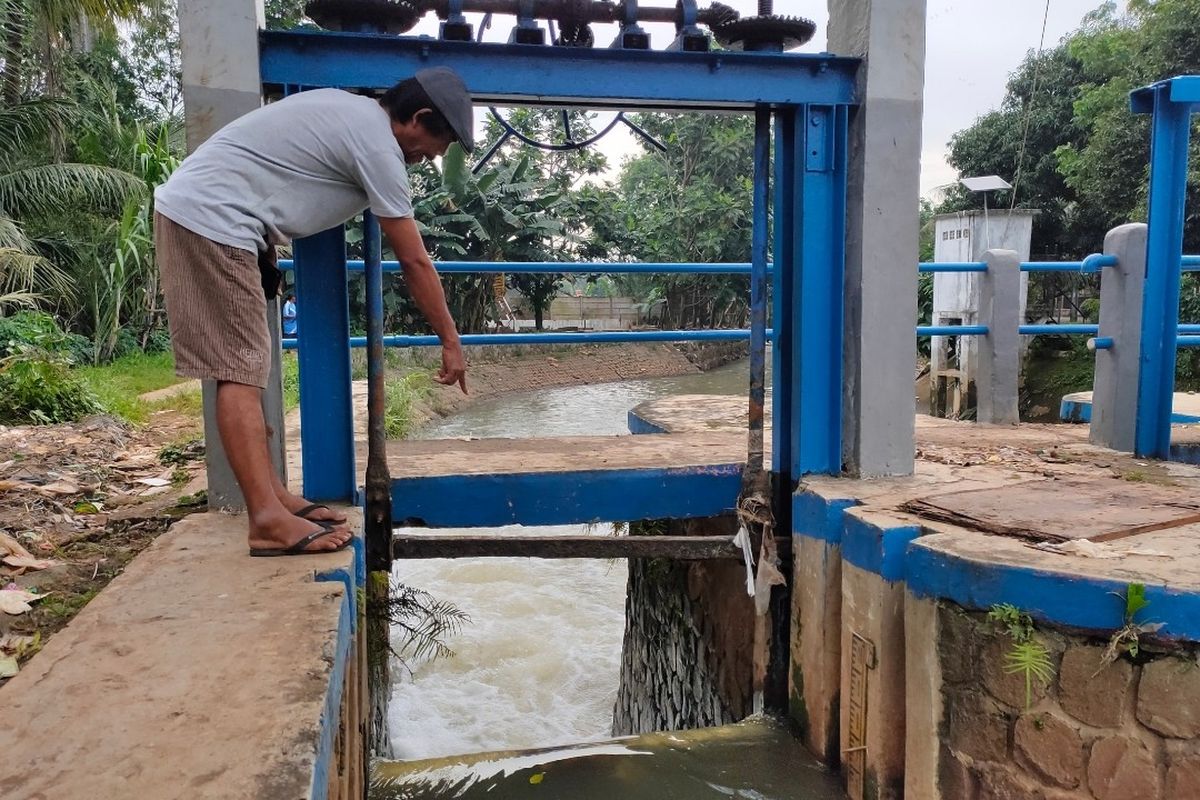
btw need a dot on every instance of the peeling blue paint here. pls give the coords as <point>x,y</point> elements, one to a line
<point>1049,596</point>
<point>323,761</point>
<point>815,517</point>
<point>878,550</point>
<point>639,424</point>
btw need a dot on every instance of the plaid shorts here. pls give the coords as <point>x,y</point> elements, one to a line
<point>215,306</point>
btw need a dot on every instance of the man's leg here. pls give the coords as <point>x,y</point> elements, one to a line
<point>294,502</point>
<point>244,436</point>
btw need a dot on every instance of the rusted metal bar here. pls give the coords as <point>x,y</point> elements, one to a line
<point>687,548</point>
<point>377,516</point>
<point>758,289</point>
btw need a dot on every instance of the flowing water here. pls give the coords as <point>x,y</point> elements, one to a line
<point>537,665</point>
<point>754,760</point>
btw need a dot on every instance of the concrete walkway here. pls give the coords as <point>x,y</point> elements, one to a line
<point>198,673</point>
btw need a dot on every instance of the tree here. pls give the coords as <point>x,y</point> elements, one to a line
<point>692,202</point>
<point>1065,128</point>
<point>1019,141</point>
<point>39,33</point>
<point>34,190</point>
<point>560,173</point>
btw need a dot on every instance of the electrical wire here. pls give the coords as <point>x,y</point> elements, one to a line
<point>1037,70</point>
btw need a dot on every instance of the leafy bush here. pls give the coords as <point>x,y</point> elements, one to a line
<point>38,387</point>
<point>39,331</point>
<point>126,344</point>
<point>159,341</point>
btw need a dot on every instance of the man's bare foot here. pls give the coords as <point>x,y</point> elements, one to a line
<point>279,531</point>
<point>294,503</point>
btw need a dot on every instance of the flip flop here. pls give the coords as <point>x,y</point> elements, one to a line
<point>297,549</point>
<point>311,507</point>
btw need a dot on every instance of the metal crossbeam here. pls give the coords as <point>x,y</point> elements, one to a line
<point>685,548</point>
<point>506,74</point>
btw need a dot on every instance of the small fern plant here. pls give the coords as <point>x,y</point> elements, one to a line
<point>1126,638</point>
<point>1027,657</point>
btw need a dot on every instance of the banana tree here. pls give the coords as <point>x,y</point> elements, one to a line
<point>505,213</point>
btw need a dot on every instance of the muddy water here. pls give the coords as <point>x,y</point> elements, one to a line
<point>755,760</point>
<point>537,666</point>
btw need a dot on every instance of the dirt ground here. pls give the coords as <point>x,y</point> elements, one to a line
<point>79,501</point>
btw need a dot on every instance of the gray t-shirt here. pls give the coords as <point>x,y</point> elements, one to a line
<point>290,169</point>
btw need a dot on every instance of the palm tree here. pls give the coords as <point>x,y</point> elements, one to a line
<point>32,186</point>
<point>48,28</point>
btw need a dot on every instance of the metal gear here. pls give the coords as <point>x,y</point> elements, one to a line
<point>716,15</point>
<point>384,16</point>
<point>575,35</point>
<point>769,32</point>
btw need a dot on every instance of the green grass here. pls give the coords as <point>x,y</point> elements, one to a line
<point>400,393</point>
<point>134,374</point>
<point>290,370</point>
<point>119,383</point>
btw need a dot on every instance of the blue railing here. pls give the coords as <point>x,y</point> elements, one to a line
<point>591,337</point>
<point>1091,264</point>
<point>566,267</point>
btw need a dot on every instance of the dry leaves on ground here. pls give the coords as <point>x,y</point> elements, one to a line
<point>58,482</point>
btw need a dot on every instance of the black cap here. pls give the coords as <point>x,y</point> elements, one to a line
<point>450,96</point>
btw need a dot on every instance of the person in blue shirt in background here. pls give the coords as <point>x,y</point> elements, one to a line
<point>289,316</point>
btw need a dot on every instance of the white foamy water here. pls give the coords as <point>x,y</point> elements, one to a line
<point>538,664</point>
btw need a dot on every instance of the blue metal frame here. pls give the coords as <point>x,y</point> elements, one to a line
<point>758,289</point>
<point>817,262</point>
<point>326,408</point>
<point>782,294</point>
<point>500,74</point>
<point>808,95</point>
<point>1170,104</point>
<point>564,498</point>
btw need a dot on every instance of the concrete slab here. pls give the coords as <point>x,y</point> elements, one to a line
<point>445,457</point>
<point>1077,407</point>
<point>198,673</point>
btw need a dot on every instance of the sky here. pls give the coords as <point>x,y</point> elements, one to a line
<point>971,47</point>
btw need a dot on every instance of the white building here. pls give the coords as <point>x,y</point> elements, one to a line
<point>966,236</point>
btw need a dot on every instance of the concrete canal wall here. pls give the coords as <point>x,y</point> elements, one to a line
<point>901,680</point>
<point>686,657</point>
<point>198,673</point>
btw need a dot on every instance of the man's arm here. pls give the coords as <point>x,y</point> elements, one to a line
<point>426,290</point>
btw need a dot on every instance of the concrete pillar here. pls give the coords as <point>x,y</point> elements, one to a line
<point>999,352</point>
<point>923,700</point>
<point>882,209</point>
<point>219,46</point>
<point>1118,369</point>
<point>814,680</point>
<point>872,707</point>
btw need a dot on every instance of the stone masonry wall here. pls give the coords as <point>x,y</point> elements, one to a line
<point>1126,731</point>
<point>689,627</point>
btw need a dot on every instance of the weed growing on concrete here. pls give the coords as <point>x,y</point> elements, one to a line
<point>1027,656</point>
<point>1125,639</point>
<point>399,396</point>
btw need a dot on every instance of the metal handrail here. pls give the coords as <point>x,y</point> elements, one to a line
<point>568,267</point>
<point>593,337</point>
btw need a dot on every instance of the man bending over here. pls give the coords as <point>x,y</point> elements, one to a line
<point>288,170</point>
